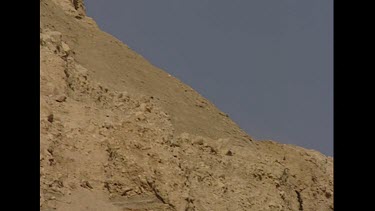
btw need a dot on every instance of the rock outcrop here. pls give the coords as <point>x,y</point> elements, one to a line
<point>118,133</point>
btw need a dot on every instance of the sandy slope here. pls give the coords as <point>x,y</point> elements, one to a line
<point>120,134</point>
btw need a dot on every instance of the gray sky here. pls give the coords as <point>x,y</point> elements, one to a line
<point>267,63</point>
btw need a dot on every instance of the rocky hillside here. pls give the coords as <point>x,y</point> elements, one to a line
<point>118,133</point>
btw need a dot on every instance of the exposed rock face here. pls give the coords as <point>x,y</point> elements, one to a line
<point>78,5</point>
<point>120,134</point>
<point>72,7</point>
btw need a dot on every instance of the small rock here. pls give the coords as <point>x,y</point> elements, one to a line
<point>52,36</point>
<point>328,194</point>
<point>119,104</point>
<point>229,153</point>
<point>174,143</point>
<point>82,70</point>
<point>198,141</point>
<point>50,118</point>
<point>277,183</point>
<point>145,107</point>
<point>282,194</point>
<point>86,184</point>
<point>61,98</point>
<point>50,150</point>
<point>108,125</point>
<point>65,47</point>
<point>51,161</point>
<point>124,193</point>
<point>223,114</point>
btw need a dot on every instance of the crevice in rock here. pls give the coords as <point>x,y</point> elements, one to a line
<point>300,201</point>
<point>157,194</point>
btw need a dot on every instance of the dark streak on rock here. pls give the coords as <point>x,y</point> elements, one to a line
<point>300,201</point>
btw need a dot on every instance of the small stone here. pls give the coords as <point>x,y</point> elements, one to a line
<point>50,118</point>
<point>81,70</point>
<point>50,150</point>
<point>65,47</point>
<point>328,194</point>
<point>54,36</point>
<point>86,184</point>
<point>108,125</point>
<point>119,104</point>
<point>198,141</point>
<point>229,153</point>
<point>174,143</point>
<point>124,193</point>
<point>277,184</point>
<point>61,98</point>
<point>282,194</point>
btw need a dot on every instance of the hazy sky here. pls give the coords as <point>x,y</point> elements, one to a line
<point>267,63</point>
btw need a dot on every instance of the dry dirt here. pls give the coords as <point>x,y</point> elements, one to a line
<point>118,133</point>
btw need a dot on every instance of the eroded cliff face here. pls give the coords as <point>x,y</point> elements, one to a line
<point>120,134</point>
<point>74,8</point>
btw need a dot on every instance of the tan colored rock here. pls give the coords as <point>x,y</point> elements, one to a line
<point>61,98</point>
<point>152,147</point>
<point>65,47</point>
